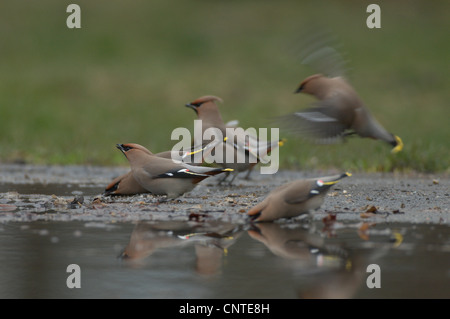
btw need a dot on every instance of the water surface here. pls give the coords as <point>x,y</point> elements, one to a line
<point>214,259</point>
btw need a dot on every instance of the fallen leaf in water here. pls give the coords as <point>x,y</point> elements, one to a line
<point>371,209</point>
<point>7,207</point>
<point>435,181</point>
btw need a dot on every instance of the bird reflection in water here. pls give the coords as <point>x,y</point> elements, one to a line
<point>325,268</point>
<point>211,241</point>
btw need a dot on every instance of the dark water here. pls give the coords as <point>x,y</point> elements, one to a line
<point>177,259</point>
<point>51,189</point>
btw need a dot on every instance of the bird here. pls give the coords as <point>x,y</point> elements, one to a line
<point>162,176</point>
<point>245,147</point>
<point>294,198</point>
<point>252,152</point>
<point>126,184</point>
<point>338,113</point>
<point>207,110</point>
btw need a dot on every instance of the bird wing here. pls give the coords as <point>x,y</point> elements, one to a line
<point>160,167</point>
<point>317,123</point>
<point>297,192</point>
<point>322,52</point>
<point>181,173</point>
<point>303,190</point>
<point>205,170</point>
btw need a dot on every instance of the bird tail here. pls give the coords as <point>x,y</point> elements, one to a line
<point>331,180</point>
<point>323,184</point>
<point>261,149</point>
<point>398,146</point>
<point>219,170</point>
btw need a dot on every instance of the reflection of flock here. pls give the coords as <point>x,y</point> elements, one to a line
<point>332,270</point>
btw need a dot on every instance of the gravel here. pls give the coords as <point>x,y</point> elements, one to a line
<point>66,193</point>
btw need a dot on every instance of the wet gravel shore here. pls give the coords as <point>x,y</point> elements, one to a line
<point>65,193</point>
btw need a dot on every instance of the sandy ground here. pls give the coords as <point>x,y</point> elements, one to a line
<point>66,193</point>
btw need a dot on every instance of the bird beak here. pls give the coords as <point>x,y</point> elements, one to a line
<point>253,218</point>
<point>192,107</point>
<point>299,89</point>
<point>120,147</point>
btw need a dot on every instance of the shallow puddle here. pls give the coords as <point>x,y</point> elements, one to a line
<point>214,259</point>
<point>203,247</point>
<point>51,189</point>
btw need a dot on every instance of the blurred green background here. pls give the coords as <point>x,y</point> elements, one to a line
<point>67,96</point>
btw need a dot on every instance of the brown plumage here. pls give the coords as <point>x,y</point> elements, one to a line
<point>208,111</point>
<point>240,144</point>
<point>338,113</point>
<point>294,198</point>
<point>162,176</point>
<point>126,184</point>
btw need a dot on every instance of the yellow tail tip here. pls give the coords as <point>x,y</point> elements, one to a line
<point>398,239</point>
<point>399,145</point>
<point>338,179</point>
<point>282,142</point>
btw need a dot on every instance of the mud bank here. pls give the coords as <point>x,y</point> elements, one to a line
<point>65,193</point>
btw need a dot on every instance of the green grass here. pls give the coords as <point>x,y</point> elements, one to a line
<point>68,96</point>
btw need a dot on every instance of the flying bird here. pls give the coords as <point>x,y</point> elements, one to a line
<point>338,111</point>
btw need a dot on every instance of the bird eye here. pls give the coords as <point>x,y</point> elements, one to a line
<point>300,88</point>
<point>194,106</point>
